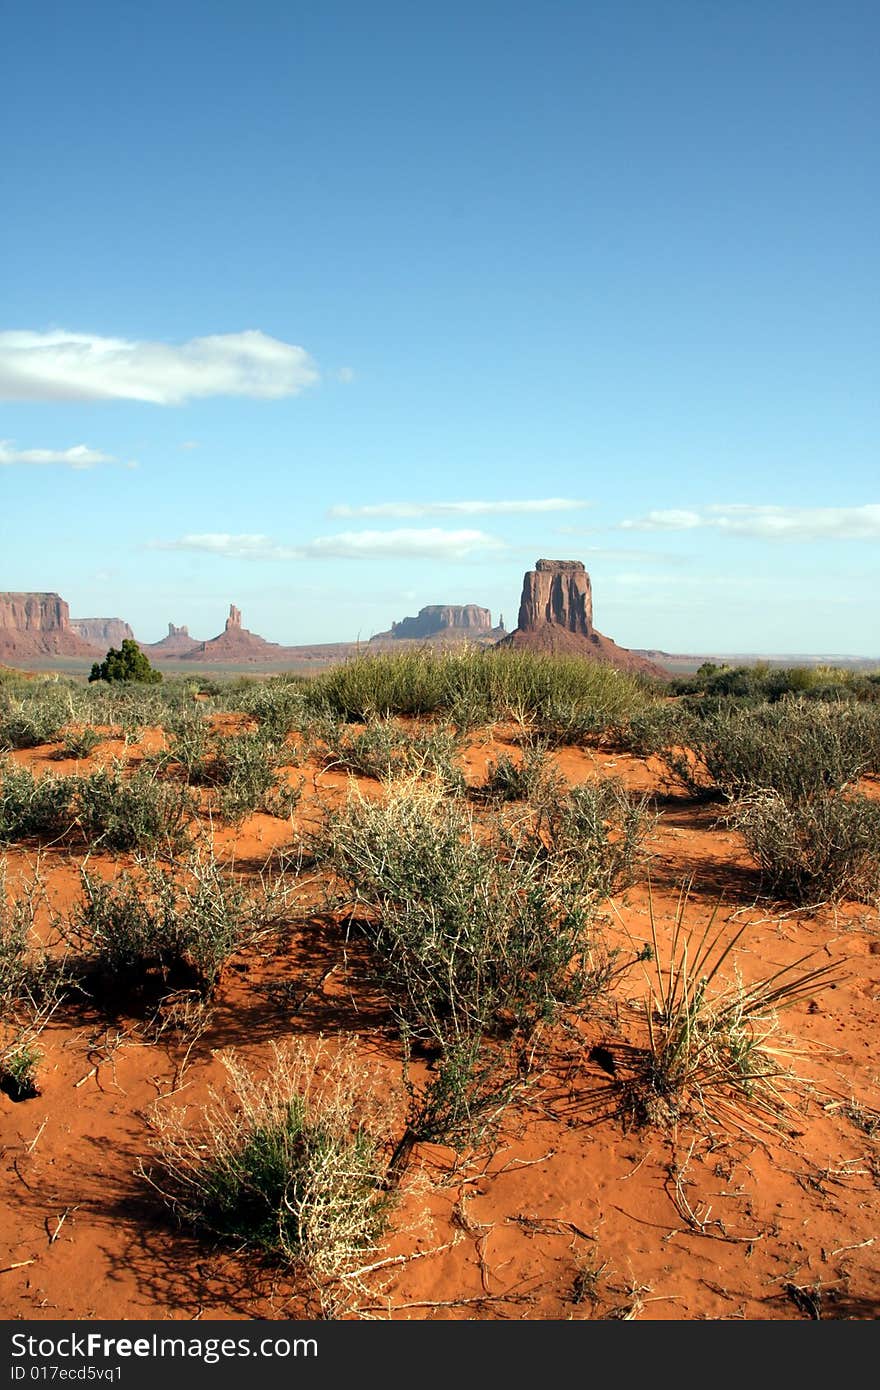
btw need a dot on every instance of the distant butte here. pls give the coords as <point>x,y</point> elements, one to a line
<point>102,632</point>
<point>556,615</point>
<point>177,643</point>
<point>234,644</point>
<point>444,622</point>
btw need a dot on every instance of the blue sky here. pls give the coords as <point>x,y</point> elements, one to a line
<point>337,310</point>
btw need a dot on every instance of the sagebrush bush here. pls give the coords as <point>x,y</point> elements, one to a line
<point>137,812</point>
<point>31,984</point>
<point>175,925</point>
<point>809,851</point>
<point>384,749</point>
<point>759,683</point>
<point>34,807</point>
<point>34,715</point>
<point>532,777</point>
<point>594,833</point>
<point>468,937</point>
<point>796,747</point>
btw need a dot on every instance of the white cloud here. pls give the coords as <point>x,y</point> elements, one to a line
<point>771,523</point>
<point>79,456</point>
<point>63,366</point>
<point>245,547</point>
<point>415,509</point>
<point>664,521</point>
<point>432,541</point>
<point>412,544</point>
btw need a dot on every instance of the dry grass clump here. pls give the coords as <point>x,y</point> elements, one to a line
<point>473,685</point>
<point>291,1163</point>
<point>710,1038</point>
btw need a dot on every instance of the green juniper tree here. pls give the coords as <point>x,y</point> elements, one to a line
<point>129,664</point>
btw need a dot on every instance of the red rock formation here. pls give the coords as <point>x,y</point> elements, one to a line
<point>438,620</point>
<point>102,632</point>
<point>556,615</point>
<point>557,591</point>
<point>177,643</point>
<point>234,644</point>
<point>38,625</point>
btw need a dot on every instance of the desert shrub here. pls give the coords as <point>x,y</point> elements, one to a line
<point>189,746</point>
<point>462,1102</point>
<point>33,807</point>
<point>827,847</point>
<point>596,834</point>
<point>533,777</point>
<point>795,747</point>
<point>79,743</point>
<point>247,767</point>
<point>291,1164</point>
<point>35,716</point>
<point>127,664</point>
<point>244,766</point>
<point>466,941</point>
<point>136,705</point>
<point>759,683</point>
<point>710,1037</point>
<point>19,1058</point>
<point>31,984</point>
<point>137,812</point>
<point>175,927</point>
<point>279,704</point>
<point>646,731</point>
<point>384,749</point>
<point>28,978</point>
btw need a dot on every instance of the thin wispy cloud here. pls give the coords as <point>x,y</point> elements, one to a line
<point>79,456</point>
<point>770,523</point>
<point>402,510</point>
<point>62,366</point>
<point>430,543</point>
<point>230,547</point>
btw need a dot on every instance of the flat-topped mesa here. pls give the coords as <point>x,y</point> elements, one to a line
<point>559,592</point>
<point>234,620</point>
<point>102,632</point>
<point>34,624</point>
<point>442,617</point>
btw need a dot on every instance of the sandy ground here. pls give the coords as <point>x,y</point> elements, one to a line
<point>578,1213</point>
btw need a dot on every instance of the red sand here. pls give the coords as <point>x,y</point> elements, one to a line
<point>576,1215</point>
